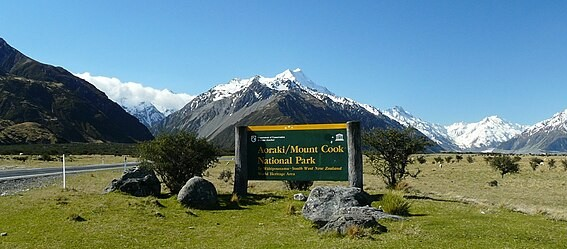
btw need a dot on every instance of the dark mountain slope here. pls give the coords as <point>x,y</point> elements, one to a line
<point>72,109</point>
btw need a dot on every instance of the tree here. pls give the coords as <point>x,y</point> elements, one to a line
<point>448,159</point>
<point>459,158</point>
<point>389,150</point>
<point>470,159</point>
<point>505,164</point>
<point>178,157</point>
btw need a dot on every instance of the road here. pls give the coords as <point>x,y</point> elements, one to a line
<point>27,173</point>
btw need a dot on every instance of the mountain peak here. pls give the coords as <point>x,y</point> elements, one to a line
<point>280,83</point>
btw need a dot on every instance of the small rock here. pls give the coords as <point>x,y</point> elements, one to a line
<point>299,197</point>
<point>3,234</point>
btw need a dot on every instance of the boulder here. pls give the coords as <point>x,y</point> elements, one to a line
<point>341,221</point>
<point>137,182</point>
<point>198,193</point>
<point>366,211</point>
<point>363,217</point>
<point>323,202</point>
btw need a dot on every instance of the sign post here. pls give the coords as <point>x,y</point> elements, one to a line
<point>324,152</point>
<point>64,186</point>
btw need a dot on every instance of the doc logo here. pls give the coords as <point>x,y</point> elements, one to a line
<point>253,138</point>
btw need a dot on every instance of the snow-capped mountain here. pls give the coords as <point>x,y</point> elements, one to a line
<point>146,112</point>
<point>288,98</point>
<point>435,132</point>
<point>549,135</point>
<point>485,135</point>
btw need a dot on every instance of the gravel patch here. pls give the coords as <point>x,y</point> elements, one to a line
<point>10,187</point>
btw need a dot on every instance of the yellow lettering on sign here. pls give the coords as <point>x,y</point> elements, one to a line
<point>297,149</point>
<point>334,149</point>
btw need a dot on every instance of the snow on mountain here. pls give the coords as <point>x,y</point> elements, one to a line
<point>557,122</point>
<point>146,112</point>
<point>281,82</point>
<point>289,97</point>
<point>435,132</point>
<point>548,136</point>
<point>484,135</point>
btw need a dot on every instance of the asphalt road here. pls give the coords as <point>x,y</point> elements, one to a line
<point>28,173</point>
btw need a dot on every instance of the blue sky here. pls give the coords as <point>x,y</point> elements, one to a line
<point>443,61</point>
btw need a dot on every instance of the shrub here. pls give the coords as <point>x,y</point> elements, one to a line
<point>421,159</point>
<point>470,159</point>
<point>225,175</point>
<point>298,185</point>
<point>551,163</point>
<point>505,164</point>
<point>393,202</point>
<point>438,159</point>
<point>389,150</point>
<point>564,164</point>
<point>178,157</point>
<point>448,159</point>
<point>459,158</point>
<point>535,162</point>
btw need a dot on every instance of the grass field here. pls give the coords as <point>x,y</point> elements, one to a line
<point>48,217</point>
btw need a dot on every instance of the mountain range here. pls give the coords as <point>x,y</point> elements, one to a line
<point>291,97</point>
<point>40,103</point>
<point>287,98</point>
<point>482,136</point>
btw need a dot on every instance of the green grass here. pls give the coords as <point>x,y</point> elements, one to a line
<point>44,218</point>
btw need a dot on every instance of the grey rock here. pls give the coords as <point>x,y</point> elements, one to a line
<point>340,223</point>
<point>299,197</point>
<point>198,193</point>
<point>137,182</point>
<point>367,211</point>
<point>3,234</point>
<point>323,202</point>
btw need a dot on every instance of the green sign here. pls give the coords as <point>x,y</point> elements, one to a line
<point>297,152</point>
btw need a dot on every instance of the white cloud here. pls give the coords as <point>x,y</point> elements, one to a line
<point>132,93</point>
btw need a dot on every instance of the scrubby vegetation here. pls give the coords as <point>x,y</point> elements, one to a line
<point>393,202</point>
<point>389,152</point>
<point>177,157</point>
<point>505,164</point>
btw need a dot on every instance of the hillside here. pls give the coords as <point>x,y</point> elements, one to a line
<point>56,102</point>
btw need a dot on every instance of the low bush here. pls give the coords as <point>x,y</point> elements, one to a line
<point>393,202</point>
<point>298,185</point>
